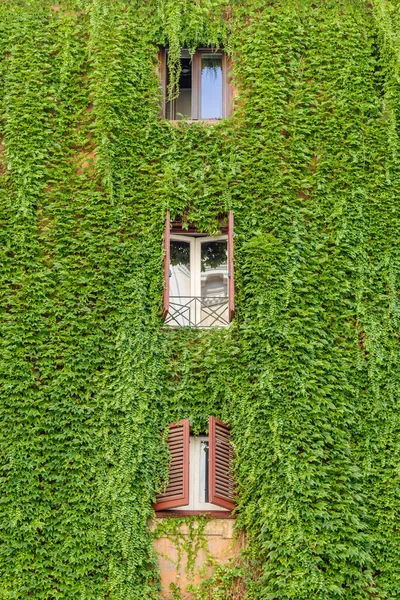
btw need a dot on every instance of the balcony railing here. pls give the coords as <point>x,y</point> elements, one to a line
<point>195,311</point>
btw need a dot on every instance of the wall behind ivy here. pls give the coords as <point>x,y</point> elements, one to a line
<point>307,375</point>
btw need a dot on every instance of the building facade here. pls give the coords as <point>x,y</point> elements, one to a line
<point>200,299</point>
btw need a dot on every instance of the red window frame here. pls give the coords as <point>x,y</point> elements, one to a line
<point>167,241</point>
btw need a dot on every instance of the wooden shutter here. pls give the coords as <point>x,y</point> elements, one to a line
<point>221,485</point>
<point>231,270</point>
<point>177,491</point>
<point>167,241</point>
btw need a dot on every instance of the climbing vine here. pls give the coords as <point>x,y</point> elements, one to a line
<point>187,535</point>
<point>308,373</point>
<point>224,583</point>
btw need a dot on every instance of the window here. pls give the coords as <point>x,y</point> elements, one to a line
<point>204,90</point>
<point>199,278</point>
<point>200,477</point>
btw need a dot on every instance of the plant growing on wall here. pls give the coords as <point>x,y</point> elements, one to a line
<point>187,535</point>
<point>307,375</point>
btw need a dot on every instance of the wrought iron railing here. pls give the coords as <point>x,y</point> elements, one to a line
<point>196,311</point>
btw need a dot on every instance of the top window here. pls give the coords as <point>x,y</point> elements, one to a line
<point>203,92</point>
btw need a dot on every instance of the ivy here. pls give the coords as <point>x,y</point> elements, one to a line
<point>187,535</point>
<point>307,375</point>
<point>224,583</point>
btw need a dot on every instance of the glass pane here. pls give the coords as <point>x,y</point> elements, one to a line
<point>183,104</point>
<point>181,107</point>
<point>214,284</point>
<point>214,269</point>
<point>180,305</point>
<point>211,86</point>
<point>203,471</point>
<point>180,268</point>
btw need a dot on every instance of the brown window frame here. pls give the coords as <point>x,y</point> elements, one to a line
<point>231,266</point>
<point>227,88</point>
<point>167,260</point>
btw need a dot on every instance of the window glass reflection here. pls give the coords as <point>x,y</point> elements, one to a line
<point>198,282</point>
<point>214,269</point>
<point>180,268</point>
<point>211,86</point>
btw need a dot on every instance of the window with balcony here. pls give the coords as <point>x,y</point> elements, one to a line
<point>200,476</point>
<point>199,278</point>
<point>204,91</point>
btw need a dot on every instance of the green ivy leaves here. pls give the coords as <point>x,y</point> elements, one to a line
<point>307,374</point>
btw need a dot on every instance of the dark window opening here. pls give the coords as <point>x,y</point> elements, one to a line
<point>207,469</point>
<point>181,107</point>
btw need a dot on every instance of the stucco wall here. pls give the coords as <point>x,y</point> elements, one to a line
<point>220,546</point>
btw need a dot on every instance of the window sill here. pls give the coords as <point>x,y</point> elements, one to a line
<point>216,514</point>
<point>166,327</point>
<point>175,122</point>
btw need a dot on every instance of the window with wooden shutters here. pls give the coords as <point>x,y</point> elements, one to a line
<point>177,491</point>
<point>221,483</point>
<point>200,478</point>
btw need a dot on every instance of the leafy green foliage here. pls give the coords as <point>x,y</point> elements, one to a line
<point>224,583</point>
<point>307,375</point>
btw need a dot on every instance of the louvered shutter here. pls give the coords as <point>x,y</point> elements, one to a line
<point>231,270</point>
<point>220,452</point>
<point>167,240</point>
<point>177,491</point>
